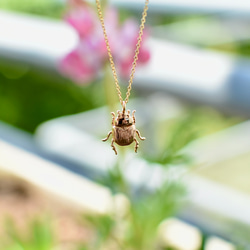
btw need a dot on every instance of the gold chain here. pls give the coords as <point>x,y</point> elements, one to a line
<point>137,50</point>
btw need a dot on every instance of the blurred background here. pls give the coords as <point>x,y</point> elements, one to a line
<point>62,188</point>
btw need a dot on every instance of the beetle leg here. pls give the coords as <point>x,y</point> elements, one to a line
<point>113,146</point>
<point>107,136</point>
<point>133,115</point>
<point>113,118</point>
<point>136,145</point>
<point>139,135</point>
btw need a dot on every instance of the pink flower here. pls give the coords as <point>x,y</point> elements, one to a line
<point>82,21</point>
<point>75,67</point>
<point>84,63</point>
<point>126,45</point>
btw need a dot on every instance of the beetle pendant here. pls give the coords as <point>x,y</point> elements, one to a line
<point>124,130</point>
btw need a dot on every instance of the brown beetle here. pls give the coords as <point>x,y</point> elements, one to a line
<point>124,130</point>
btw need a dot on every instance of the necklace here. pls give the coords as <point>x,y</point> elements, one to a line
<point>124,131</point>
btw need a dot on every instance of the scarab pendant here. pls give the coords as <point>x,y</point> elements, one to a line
<point>124,130</point>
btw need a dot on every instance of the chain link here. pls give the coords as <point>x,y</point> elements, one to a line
<point>137,50</point>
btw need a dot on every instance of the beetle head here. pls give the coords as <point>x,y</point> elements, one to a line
<point>123,118</point>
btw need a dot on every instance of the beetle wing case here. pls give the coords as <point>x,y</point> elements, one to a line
<point>124,135</point>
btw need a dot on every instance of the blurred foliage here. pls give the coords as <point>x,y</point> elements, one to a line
<point>115,180</point>
<point>182,133</point>
<point>174,135</point>
<point>40,236</point>
<point>29,97</point>
<point>104,227</point>
<point>239,48</point>
<point>137,229</point>
<point>149,211</point>
<point>240,235</point>
<point>243,48</point>
<point>49,8</point>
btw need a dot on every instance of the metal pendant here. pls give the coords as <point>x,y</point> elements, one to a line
<point>124,130</point>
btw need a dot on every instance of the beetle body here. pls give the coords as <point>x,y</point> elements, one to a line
<point>124,130</point>
<point>124,135</point>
